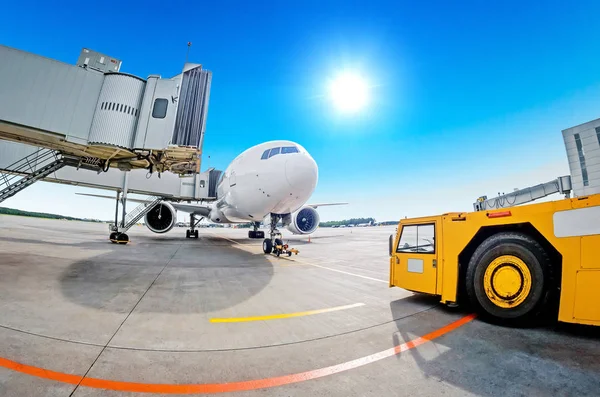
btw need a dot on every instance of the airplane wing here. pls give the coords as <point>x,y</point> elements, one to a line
<point>324,204</point>
<point>202,210</point>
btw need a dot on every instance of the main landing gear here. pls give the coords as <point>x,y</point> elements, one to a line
<point>275,244</point>
<point>256,233</point>
<point>192,232</point>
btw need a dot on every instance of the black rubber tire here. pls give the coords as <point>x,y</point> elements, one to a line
<point>278,242</point>
<point>122,238</point>
<point>535,258</point>
<point>113,237</point>
<point>187,234</point>
<point>267,246</point>
<point>195,233</point>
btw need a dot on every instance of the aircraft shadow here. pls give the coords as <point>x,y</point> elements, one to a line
<point>194,276</point>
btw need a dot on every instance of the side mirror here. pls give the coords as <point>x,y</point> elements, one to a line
<point>391,244</point>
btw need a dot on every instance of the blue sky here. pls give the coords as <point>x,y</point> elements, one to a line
<point>467,97</point>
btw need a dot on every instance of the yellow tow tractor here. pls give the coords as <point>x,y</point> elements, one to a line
<point>513,262</point>
<point>275,245</point>
<point>283,249</point>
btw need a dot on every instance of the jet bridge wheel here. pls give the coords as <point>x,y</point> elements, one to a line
<point>510,278</point>
<point>119,238</point>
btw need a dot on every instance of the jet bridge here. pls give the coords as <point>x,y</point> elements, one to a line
<point>93,110</point>
<point>21,165</point>
<point>582,144</point>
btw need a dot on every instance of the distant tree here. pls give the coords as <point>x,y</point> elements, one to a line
<point>351,221</point>
<point>12,211</point>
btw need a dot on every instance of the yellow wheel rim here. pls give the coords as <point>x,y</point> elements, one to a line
<point>507,281</point>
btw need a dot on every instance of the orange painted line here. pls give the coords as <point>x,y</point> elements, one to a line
<point>40,372</point>
<point>232,386</point>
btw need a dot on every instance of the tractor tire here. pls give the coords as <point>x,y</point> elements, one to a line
<point>510,279</point>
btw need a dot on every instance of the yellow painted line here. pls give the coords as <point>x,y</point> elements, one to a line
<point>312,264</point>
<point>284,315</point>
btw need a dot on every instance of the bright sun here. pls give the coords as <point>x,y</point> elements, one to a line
<point>349,92</point>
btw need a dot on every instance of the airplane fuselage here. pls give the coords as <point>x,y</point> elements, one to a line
<point>276,177</point>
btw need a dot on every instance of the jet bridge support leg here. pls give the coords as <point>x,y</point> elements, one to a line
<point>118,234</point>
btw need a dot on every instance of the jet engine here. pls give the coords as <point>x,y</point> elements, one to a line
<point>161,218</point>
<point>304,221</point>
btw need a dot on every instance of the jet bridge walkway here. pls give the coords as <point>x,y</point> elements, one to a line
<point>559,185</point>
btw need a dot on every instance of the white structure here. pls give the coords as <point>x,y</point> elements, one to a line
<point>583,152</point>
<point>93,110</point>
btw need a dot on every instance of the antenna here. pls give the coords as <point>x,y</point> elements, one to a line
<point>188,51</point>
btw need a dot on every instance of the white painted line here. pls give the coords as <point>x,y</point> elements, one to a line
<point>311,264</point>
<point>341,271</point>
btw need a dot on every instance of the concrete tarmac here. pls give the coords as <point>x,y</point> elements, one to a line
<point>80,316</point>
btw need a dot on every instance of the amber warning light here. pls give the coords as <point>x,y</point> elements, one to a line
<point>498,214</point>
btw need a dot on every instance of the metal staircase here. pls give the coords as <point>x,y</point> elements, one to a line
<point>28,170</point>
<point>138,213</point>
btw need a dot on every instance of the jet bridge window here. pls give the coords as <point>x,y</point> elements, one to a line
<point>289,149</point>
<point>159,111</point>
<point>417,239</point>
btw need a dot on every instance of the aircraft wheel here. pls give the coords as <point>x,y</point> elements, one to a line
<point>290,253</point>
<point>510,277</point>
<point>267,246</point>
<point>195,233</point>
<point>113,237</point>
<point>187,234</point>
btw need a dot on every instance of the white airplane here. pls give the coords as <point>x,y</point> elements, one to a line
<point>273,179</point>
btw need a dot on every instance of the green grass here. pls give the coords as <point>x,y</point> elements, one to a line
<point>12,211</point>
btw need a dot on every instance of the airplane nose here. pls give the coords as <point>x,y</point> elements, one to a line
<point>301,172</point>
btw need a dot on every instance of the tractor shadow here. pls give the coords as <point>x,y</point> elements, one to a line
<point>489,359</point>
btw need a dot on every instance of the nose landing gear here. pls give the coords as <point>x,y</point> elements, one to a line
<point>275,243</point>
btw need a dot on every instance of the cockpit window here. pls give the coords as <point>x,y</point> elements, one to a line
<point>274,152</point>
<point>279,150</point>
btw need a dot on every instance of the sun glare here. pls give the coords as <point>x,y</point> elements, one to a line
<point>349,92</point>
